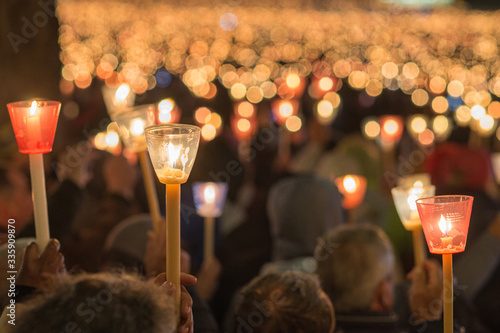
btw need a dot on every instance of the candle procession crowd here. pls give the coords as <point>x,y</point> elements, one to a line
<point>287,253</point>
<point>282,227</point>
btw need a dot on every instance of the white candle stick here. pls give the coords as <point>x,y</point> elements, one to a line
<point>39,201</point>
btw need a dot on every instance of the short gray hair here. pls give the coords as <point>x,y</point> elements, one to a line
<point>289,301</point>
<point>352,261</point>
<point>101,303</point>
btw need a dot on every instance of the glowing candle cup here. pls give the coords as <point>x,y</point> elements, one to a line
<point>34,124</point>
<point>445,220</point>
<point>209,199</point>
<point>131,124</point>
<point>405,201</point>
<point>173,149</point>
<point>117,99</point>
<point>353,188</point>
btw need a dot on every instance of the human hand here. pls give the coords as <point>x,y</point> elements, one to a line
<point>426,292</point>
<point>208,278</point>
<point>186,310</point>
<point>45,271</point>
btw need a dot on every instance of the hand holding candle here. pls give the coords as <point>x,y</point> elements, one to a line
<point>34,124</point>
<point>173,150</point>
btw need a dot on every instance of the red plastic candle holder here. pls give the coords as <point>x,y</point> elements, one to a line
<point>445,221</point>
<point>34,124</point>
<point>353,188</point>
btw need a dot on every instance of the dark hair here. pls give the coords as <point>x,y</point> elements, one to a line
<point>90,303</point>
<point>285,302</point>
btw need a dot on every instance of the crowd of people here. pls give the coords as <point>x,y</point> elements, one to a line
<point>289,257</point>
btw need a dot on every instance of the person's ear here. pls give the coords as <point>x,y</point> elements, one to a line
<point>384,297</point>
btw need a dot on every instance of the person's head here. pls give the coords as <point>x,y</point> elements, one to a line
<point>301,209</point>
<point>284,302</point>
<point>15,198</point>
<point>355,265</point>
<point>101,303</point>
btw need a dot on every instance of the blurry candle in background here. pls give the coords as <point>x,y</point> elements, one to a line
<point>209,199</point>
<point>131,124</point>
<point>405,197</point>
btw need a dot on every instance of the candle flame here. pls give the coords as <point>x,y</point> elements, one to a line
<point>122,92</point>
<point>444,225</point>
<point>33,109</point>
<point>173,153</point>
<point>137,127</point>
<point>415,193</point>
<point>209,193</point>
<point>350,184</point>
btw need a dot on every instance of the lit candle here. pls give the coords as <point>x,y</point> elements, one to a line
<point>437,227</point>
<point>121,94</point>
<point>172,174</point>
<point>137,131</point>
<point>172,150</point>
<point>445,227</point>
<point>353,188</point>
<point>34,125</point>
<point>131,124</point>
<point>405,197</point>
<point>209,201</point>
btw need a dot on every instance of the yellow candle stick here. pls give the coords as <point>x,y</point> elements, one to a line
<point>172,149</point>
<point>174,240</point>
<point>418,246</point>
<point>209,239</point>
<point>448,293</point>
<point>154,207</point>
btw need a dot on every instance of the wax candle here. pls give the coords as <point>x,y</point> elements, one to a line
<point>131,124</point>
<point>34,125</point>
<point>353,188</point>
<point>173,150</point>
<point>445,227</point>
<point>445,218</point>
<point>209,200</point>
